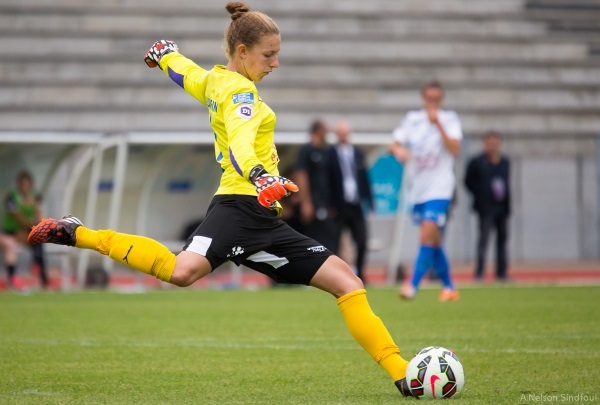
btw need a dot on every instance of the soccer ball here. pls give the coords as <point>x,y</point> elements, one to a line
<point>435,373</point>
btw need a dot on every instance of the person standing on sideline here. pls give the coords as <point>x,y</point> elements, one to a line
<point>22,211</point>
<point>488,180</point>
<point>314,182</point>
<point>431,139</point>
<point>243,222</point>
<point>351,192</point>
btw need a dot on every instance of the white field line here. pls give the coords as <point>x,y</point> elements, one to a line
<point>207,343</point>
<point>29,392</point>
<point>583,283</point>
<point>310,345</point>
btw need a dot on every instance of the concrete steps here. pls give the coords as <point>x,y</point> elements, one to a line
<point>539,124</point>
<point>511,64</point>
<point>391,76</point>
<point>83,24</point>
<point>277,7</point>
<point>313,100</point>
<point>106,50</point>
<point>569,20</point>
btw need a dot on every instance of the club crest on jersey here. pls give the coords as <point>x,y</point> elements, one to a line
<point>245,111</point>
<point>243,98</point>
<point>236,251</point>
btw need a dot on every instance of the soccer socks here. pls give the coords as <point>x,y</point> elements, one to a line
<point>11,270</point>
<point>440,262</point>
<point>423,263</point>
<point>368,330</point>
<point>138,252</point>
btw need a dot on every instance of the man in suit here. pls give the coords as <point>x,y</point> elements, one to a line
<point>351,192</point>
<point>312,177</point>
<point>488,180</point>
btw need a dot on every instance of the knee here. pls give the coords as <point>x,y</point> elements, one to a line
<point>183,278</point>
<point>430,235</point>
<point>348,284</point>
<point>355,284</point>
<point>428,241</point>
<point>337,278</point>
<point>10,250</point>
<point>189,268</point>
<point>11,245</point>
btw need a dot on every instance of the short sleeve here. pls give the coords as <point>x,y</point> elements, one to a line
<point>400,134</point>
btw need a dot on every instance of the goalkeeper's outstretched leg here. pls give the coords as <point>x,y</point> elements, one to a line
<point>138,252</point>
<point>151,257</point>
<point>337,278</point>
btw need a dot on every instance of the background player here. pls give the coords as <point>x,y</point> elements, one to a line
<point>431,138</point>
<point>242,222</point>
<point>23,207</point>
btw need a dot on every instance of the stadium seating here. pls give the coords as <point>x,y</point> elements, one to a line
<point>517,66</point>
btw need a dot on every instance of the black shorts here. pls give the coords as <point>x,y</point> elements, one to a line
<point>238,229</point>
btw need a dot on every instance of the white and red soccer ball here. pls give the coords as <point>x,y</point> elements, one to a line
<point>436,373</point>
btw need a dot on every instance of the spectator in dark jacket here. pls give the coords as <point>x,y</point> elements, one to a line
<point>488,180</point>
<point>313,179</point>
<point>351,192</point>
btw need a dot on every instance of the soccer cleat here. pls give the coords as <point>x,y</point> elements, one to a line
<point>57,231</point>
<point>447,295</point>
<point>408,292</point>
<point>402,386</point>
<point>16,283</point>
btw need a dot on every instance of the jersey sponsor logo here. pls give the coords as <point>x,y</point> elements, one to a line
<point>274,156</point>
<point>243,98</point>
<point>245,112</point>
<point>236,251</point>
<point>316,249</point>
<point>212,104</point>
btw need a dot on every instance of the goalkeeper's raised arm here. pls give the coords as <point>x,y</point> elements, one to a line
<point>183,71</point>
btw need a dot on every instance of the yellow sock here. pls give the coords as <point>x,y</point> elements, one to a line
<point>138,252</point>
<point>371,333</point>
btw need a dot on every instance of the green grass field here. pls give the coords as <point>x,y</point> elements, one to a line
<point>283,346</point>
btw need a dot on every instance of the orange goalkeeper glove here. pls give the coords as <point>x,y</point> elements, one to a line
<point>270,188</point>
<point>158,50</point>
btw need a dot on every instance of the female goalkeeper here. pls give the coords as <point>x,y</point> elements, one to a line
<point>243,223</point>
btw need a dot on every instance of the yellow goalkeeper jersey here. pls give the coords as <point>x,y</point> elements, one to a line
<point>243,125</point>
